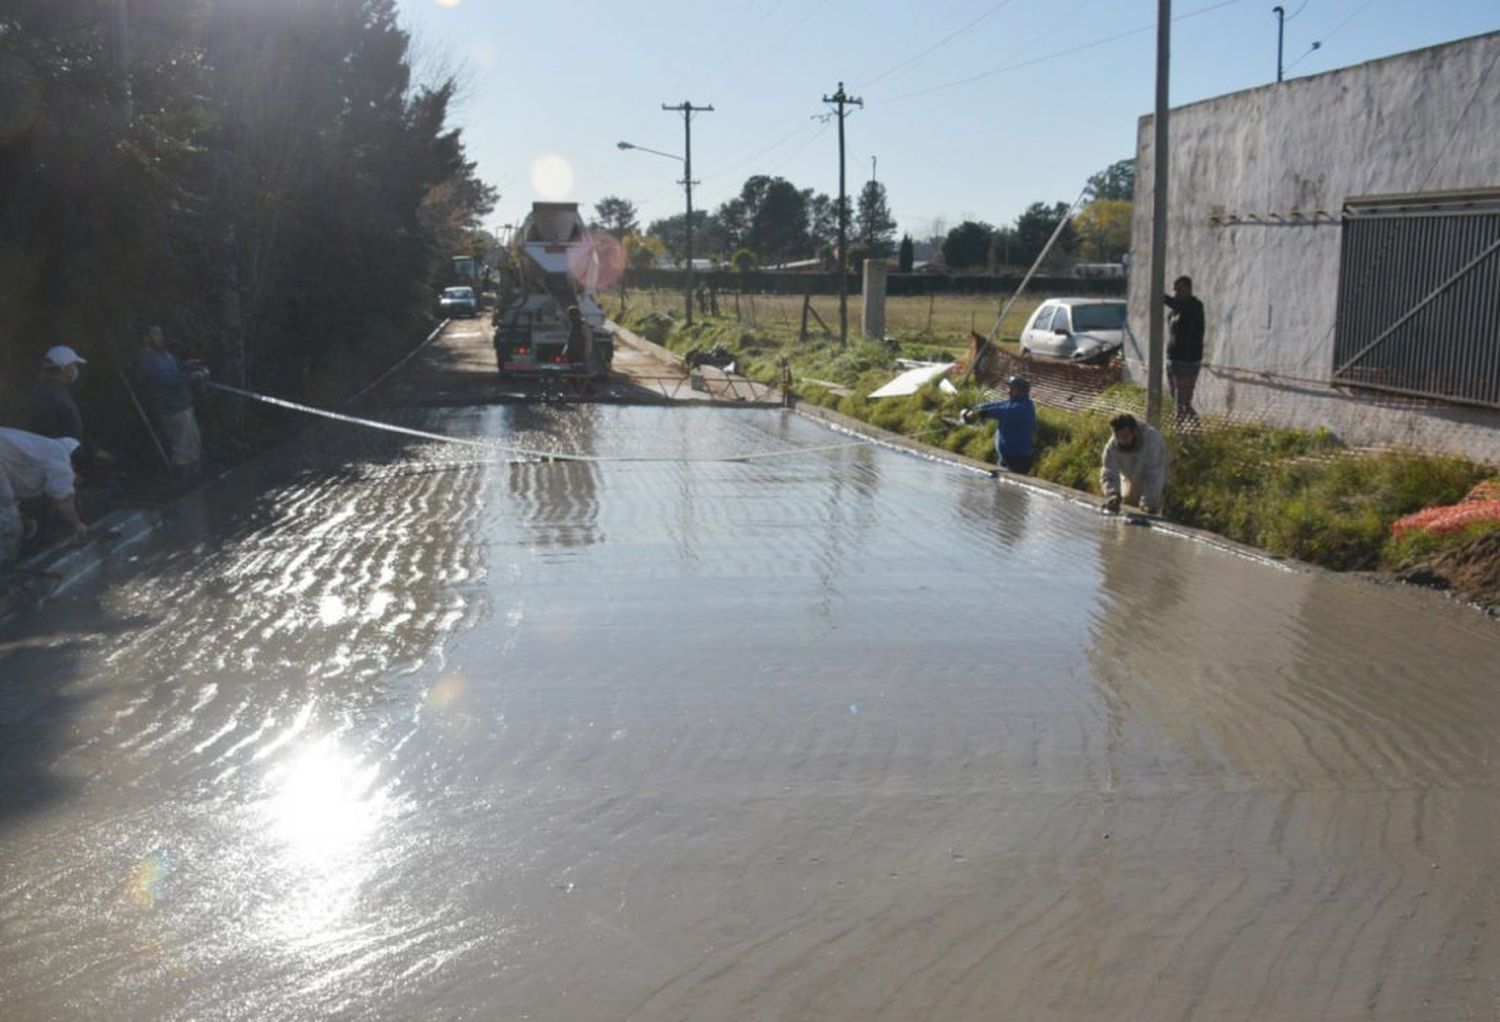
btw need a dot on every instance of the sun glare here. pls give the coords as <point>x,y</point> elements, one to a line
<point>552,177</point>
<point>326,804</point>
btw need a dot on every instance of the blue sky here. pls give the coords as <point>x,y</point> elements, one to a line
<point>973,108</point>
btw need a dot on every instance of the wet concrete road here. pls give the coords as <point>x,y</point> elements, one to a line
<point>406,732</point>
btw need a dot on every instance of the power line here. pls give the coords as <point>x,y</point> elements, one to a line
<point>1329,34</point>
<point>726,167</point>
<point>1045,33</point>
<point>740,39</point>
<point>707,52</point>
<point>1053,56</point>
<point>993,10</point>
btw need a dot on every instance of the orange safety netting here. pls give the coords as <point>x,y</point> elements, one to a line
<point>1481,504</point>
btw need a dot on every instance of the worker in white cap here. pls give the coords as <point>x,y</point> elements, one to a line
<point>37,469</point>
<point>54,411</point>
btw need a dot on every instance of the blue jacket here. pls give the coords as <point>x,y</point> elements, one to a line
<point>1017,419</point>
<point>54,413</point>
<point>168,387</point>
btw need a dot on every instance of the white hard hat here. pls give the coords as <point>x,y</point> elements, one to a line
<point>63,356</point>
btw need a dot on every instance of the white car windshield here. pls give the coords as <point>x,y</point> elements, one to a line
<point>458,292</point>
<point>1103,316</point>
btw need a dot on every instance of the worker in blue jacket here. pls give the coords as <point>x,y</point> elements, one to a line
<point>1016,432</point>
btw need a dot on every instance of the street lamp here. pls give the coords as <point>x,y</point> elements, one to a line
<point>658,152</point>
<point>687,225</point>
<point>687,109</point>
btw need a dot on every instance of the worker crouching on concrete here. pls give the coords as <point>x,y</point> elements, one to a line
<point>1015,433</point>
<point>1135,466</point>
<point>36,475</point>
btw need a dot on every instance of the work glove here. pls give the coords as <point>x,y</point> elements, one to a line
<point>1111,504</point>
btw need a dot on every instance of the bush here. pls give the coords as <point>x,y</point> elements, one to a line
<point>656,327</point>
<point>1069,445</point>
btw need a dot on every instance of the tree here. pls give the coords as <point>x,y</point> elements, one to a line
<point>778,231</point>
<point>822,218</point>
<point>908,254</point>
<point>1003,248</point>
<point>874,224</point>
<point>274,187</point>
<point>1117,181</point>
<point>1035,226</point>
<point>769,216</point>
<point>967,245</point>
<point>615,215</point>
<point>736,217</point>
<point>672,231</point>
<point>642,251</point>
<point>1104,230</point>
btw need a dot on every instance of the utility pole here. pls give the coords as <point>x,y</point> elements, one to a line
<point>1154,365</point>
<point>687,110</point>
<point>840,100</point>
<point>1280,13</point>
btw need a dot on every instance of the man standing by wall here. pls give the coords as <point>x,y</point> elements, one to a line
<point>168,389</point>
<point>1016,433</point>
<point>1184,346</point>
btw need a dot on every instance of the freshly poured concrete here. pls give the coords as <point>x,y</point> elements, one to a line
<point>849,735</point>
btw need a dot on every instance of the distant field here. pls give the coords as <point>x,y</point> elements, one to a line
<point>943,320</point>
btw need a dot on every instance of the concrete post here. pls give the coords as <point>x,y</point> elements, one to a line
<point>874,312</point>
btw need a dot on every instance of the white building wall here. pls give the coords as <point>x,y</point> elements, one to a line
<point>1284,158</point>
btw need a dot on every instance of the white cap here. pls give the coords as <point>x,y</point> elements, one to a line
<point>63,356</point>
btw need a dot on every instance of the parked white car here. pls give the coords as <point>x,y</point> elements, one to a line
<point>1077,329</point>
<point>458,301</point>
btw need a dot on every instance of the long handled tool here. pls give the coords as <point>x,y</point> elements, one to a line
<point>139,408</point>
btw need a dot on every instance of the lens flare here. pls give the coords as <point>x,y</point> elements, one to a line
<point>450,4</point>
<point>552,177</point>
<point>600,264</point>
<point>446,692</point>
<point>148,879</point>
<point>484,54</point>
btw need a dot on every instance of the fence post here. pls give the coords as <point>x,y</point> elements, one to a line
<point>873,318</point>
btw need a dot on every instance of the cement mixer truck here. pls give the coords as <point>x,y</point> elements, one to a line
<point>548,327</point>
